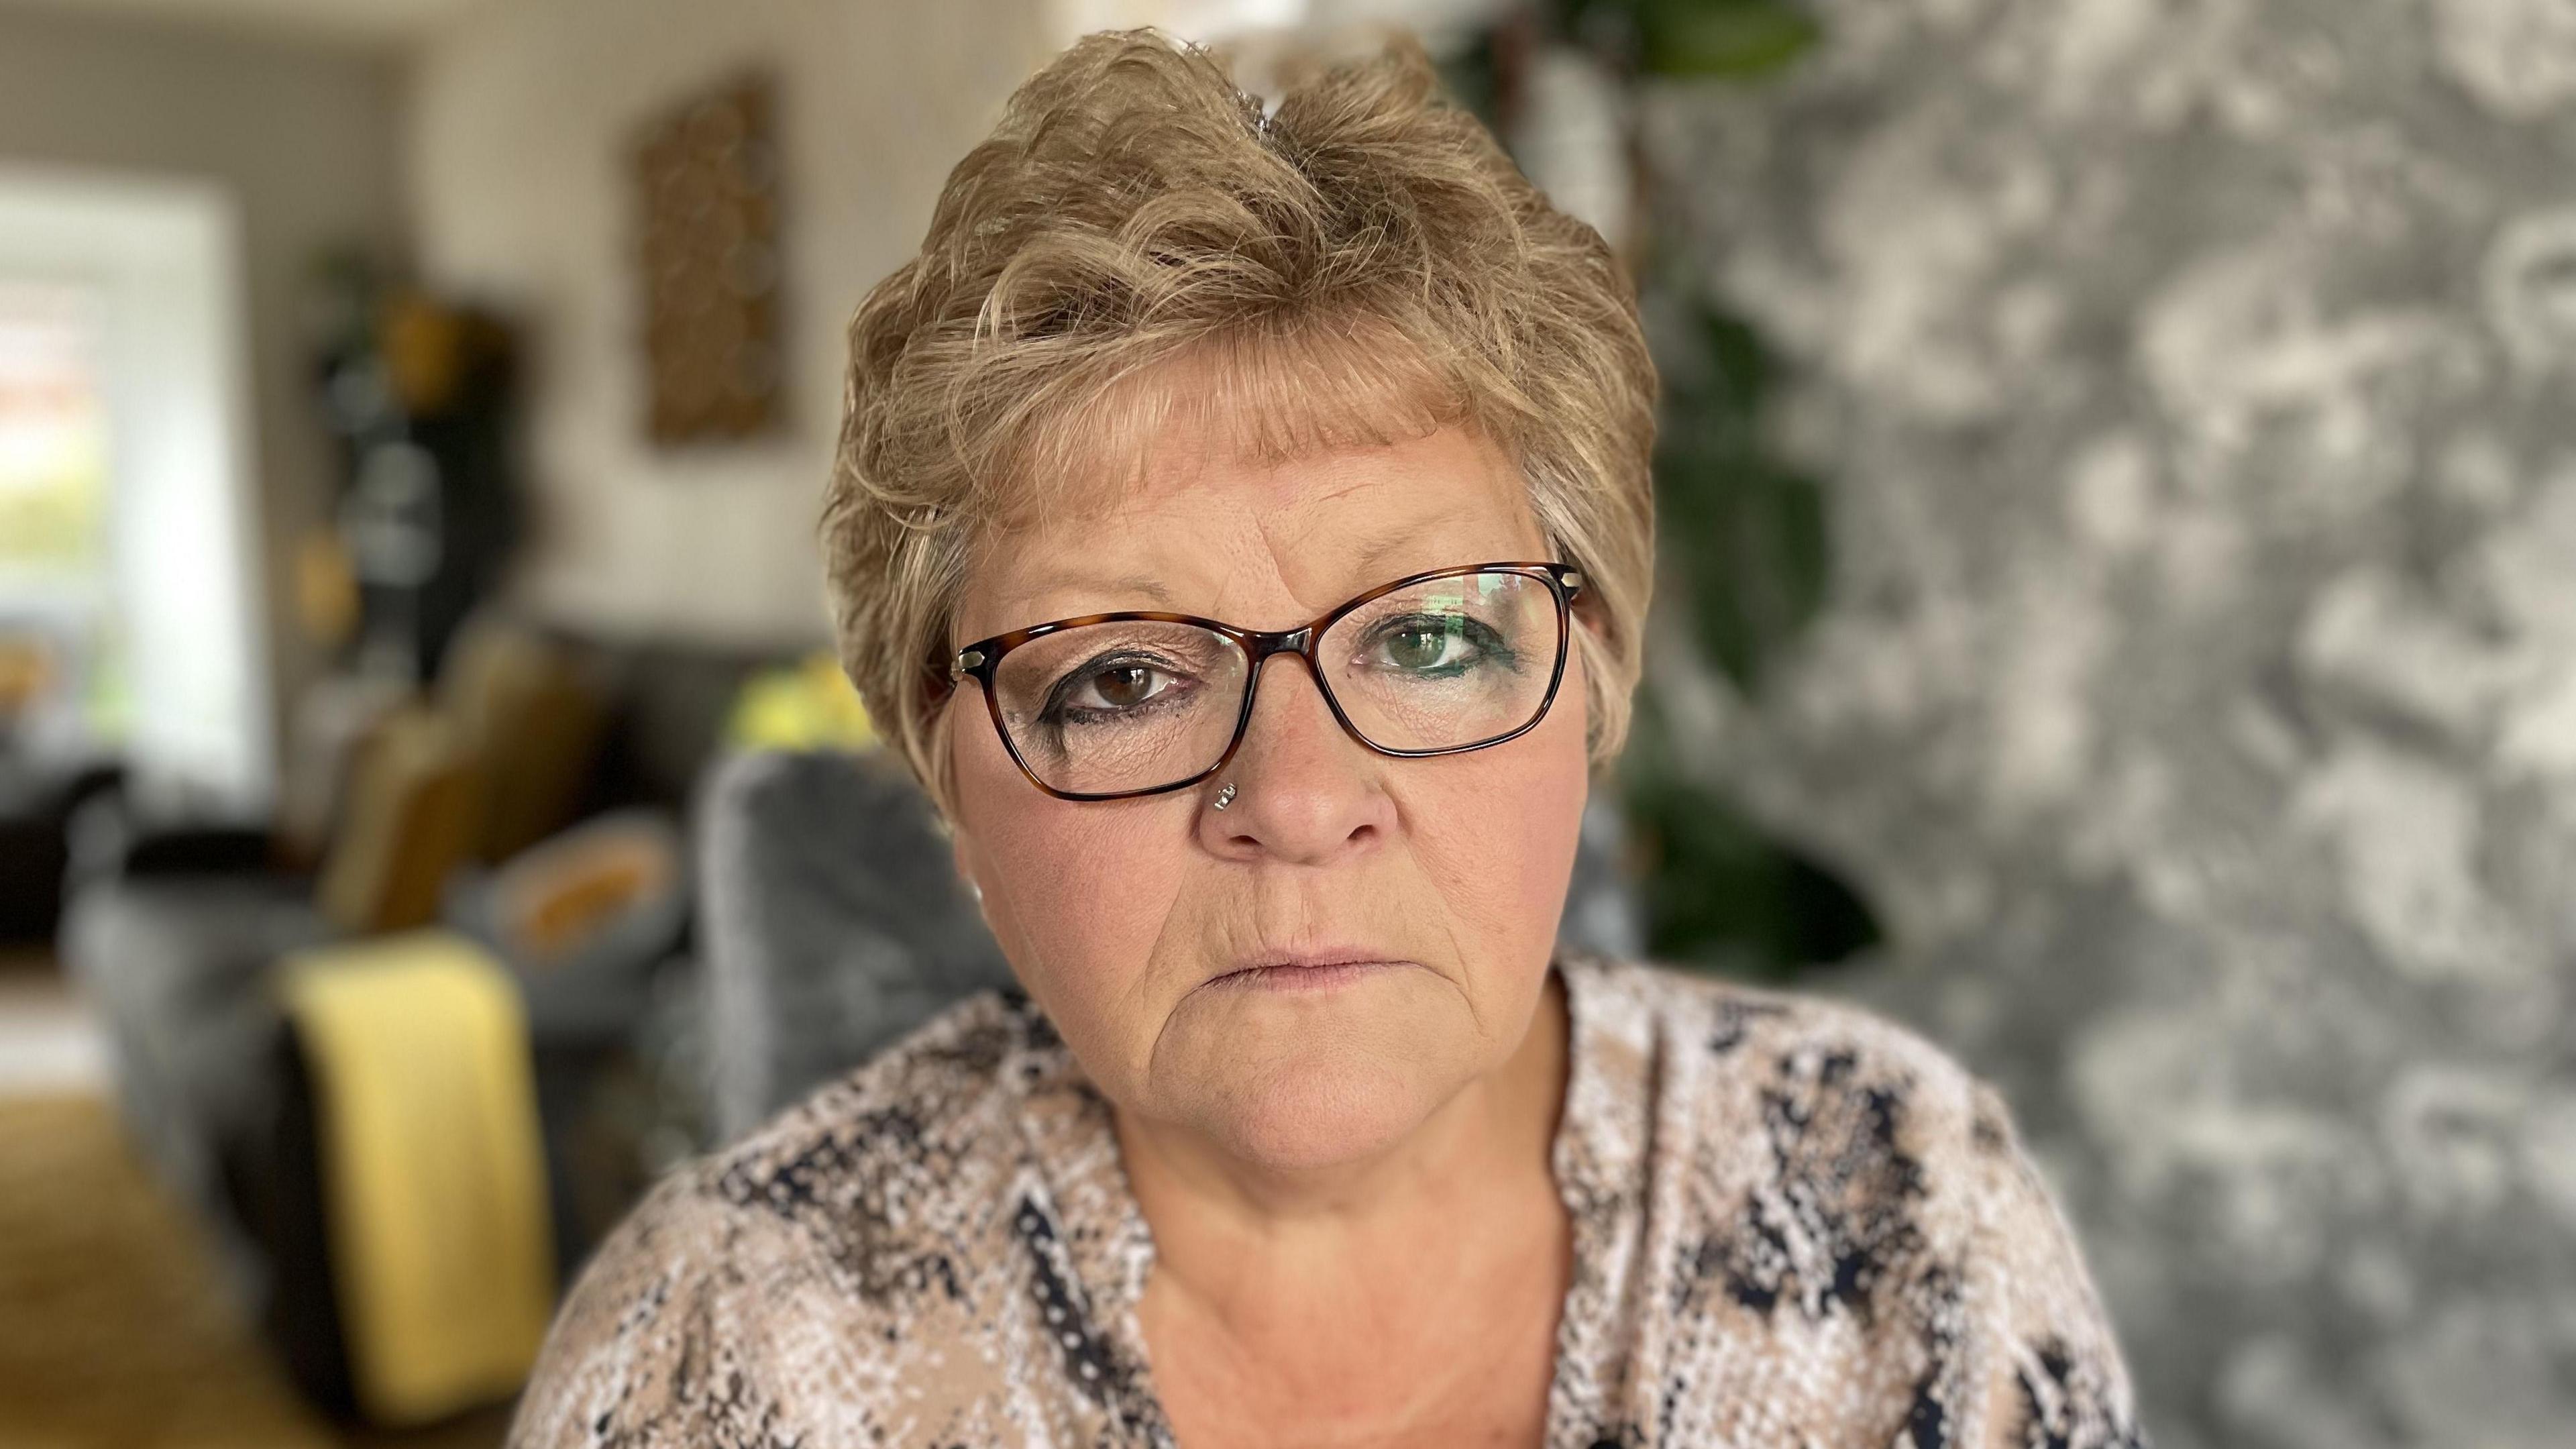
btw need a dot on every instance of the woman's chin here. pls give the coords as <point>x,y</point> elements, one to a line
<point>1289,1088</point>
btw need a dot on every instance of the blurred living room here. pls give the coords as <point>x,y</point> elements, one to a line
<point>2115,614</point>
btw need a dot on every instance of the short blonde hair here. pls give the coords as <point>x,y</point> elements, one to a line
<point>1136,211</point>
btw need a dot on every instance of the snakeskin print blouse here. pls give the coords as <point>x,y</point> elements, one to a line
<point>1795,1224</point>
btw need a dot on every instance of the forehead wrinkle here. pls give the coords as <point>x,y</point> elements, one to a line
<point>1259,545</point>
<point>1355,566</point>
<point>1079,581</point>
<point>1095,574</point>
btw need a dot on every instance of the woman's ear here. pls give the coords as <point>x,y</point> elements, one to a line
<point>1588,613</point>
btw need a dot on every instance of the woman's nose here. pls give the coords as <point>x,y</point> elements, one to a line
<point>1305,791</point>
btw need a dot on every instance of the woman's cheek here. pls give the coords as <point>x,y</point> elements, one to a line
<point>1081,899</point>
<point>1057,875</point>
<point>1500,833</point>
<point>1502,859</point>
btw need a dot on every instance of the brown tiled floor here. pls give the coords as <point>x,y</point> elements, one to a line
<point>114,1333</point>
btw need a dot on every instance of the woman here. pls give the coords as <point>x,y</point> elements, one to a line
<point>1242,525</point>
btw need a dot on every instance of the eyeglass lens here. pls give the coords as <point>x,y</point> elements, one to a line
<point>1134,705</point>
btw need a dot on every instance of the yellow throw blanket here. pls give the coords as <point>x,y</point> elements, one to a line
<point>434,1178</point>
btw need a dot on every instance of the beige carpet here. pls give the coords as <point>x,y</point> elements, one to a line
<point>113,1331</point>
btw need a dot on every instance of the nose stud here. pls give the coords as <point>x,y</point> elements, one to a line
<point>1225,796</point>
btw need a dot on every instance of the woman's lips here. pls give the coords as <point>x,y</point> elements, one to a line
<point>1317,973</point>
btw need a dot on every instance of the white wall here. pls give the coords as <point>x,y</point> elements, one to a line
<point>517,133</point>
<point>302,139</point>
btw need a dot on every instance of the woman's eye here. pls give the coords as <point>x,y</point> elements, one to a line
<point>1111,688</point>
<point>1124,686</point>
<point>1422,645</point>
<point>1418,647</point>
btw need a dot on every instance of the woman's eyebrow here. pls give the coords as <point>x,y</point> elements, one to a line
<point>1367,560</point>
<point>1081,584</point>
<point>1368,565</point>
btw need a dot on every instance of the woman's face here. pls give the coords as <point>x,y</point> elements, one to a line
<point>1129,920</point>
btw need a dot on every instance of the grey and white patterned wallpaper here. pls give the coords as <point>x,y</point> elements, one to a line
<point>2195,383</point>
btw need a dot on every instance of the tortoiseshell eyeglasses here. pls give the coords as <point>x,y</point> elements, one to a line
<point>1107,706</point>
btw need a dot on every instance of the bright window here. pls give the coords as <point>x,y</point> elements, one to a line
<point>53,435</point>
